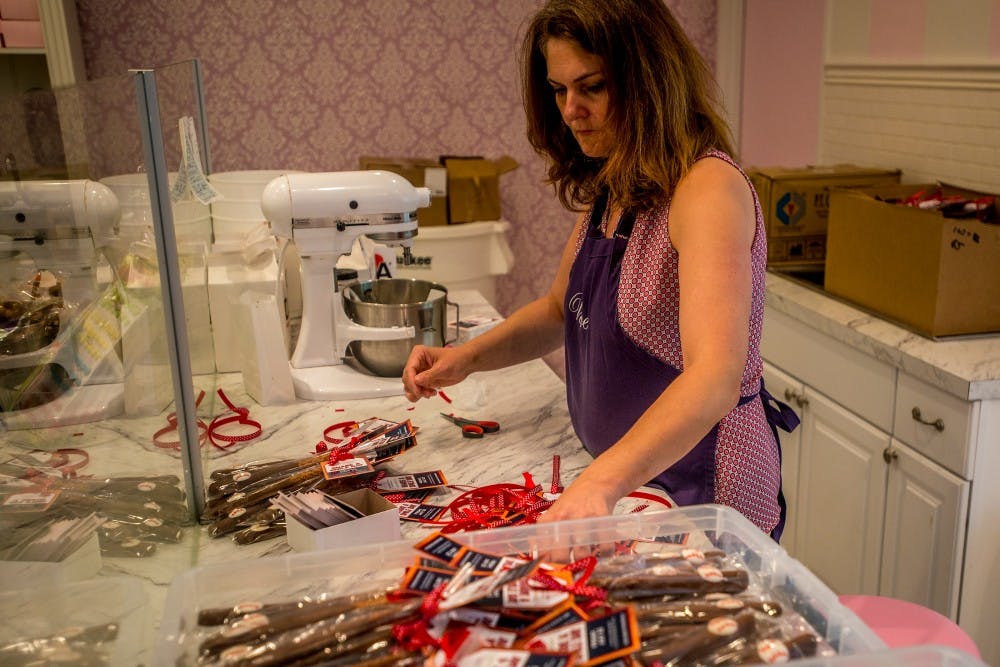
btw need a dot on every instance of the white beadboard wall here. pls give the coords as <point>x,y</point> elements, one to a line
<point>936,123</point>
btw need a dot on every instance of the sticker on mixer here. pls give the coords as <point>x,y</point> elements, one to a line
<point>352,467</point>
<point>420,480</point>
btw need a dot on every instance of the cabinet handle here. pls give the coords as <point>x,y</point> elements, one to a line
<point>799,399</point>
<point>937,423</point>
<point>889,455</point>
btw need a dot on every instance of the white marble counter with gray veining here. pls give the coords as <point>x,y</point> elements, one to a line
<point>528,400</point>
<point>968,367</point>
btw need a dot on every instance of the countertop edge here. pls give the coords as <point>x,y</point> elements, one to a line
<point>968,368</point>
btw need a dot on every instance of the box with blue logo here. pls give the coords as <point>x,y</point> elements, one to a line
<point>796,203</point>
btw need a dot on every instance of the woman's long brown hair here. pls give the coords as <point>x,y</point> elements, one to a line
<point>662,101</point>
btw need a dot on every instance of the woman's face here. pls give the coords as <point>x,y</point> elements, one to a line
<point>581,93</point>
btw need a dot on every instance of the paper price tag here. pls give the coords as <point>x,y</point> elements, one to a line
<point>191,175</point>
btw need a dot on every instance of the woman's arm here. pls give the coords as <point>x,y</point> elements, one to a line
<point>712,224</point>
<point>532,331</point>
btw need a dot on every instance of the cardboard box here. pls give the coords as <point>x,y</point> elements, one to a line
<point>938,276</point>
<point>795,204</point>
<point>421,173</point>
<point>474,187</point>
<point>22,34</point>
<point>380,523</point>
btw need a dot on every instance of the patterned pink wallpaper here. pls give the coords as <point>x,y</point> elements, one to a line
<point>314,84</point>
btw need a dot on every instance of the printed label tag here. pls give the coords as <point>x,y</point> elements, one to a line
<point>420,512</point>
<point>352,467</point>
<point>596,641</point>
<point>420,480</point>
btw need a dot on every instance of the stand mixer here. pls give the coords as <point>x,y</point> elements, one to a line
<point>323,214</point>
<point>60,225</point>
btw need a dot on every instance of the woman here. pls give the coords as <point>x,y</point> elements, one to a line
<point>659,295</point>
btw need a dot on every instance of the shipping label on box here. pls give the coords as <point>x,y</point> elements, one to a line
<point>937,275</point>
<point>796,202</point>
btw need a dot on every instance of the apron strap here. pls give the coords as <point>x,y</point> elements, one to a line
<point>778,413</point>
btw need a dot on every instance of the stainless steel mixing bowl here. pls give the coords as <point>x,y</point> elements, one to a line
<point>397,302</point>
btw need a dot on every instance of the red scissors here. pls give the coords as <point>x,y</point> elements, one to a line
<point>472,428</point>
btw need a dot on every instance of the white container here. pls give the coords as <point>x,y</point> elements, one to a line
<point>232,230</point>
<point>380,523</point>
<point>239,209</point>
<point>467,256</point>
<point>245,184</point>
<point>366,568</point>
<point>229,277</point>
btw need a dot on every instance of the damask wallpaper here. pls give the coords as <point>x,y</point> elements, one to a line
<point>314,84</point>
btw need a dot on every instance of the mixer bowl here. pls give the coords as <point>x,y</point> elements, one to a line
<point>397,302</point>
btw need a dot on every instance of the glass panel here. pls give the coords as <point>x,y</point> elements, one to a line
<point>87,389</point>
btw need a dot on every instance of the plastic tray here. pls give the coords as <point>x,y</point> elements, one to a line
<point>363,568</point>
<point>48,610</point>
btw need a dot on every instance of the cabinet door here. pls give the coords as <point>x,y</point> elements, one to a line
<point>786,388</point>
<point>841,496</point>
<point>924,540</point>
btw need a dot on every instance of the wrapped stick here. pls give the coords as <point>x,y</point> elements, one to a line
<point>337,635</point>
<point>224,615</point>
<point>663,581</point>
<point>699,610</point>
<point>768,651</point>
<point>259,625</point>
<point>697,641</point>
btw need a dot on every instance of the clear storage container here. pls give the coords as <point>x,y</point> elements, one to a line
<point>364,568</point>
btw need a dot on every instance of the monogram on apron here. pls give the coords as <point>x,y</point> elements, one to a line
<point>611,381</point>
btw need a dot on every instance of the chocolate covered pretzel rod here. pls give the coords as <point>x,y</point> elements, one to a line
<point>697,641</point>
<point>223,615</point>
<point>666,580</point>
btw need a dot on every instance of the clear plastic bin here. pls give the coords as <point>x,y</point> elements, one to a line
<point>364,568</point>
<point>62,609</point>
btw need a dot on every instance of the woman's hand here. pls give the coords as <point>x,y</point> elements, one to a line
<point>430,368</point>
<point>582,499</point>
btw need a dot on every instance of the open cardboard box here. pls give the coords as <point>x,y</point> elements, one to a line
<point>938,276</point>
<point>380,523</point>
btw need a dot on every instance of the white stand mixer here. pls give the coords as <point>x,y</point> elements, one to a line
<point>323,214</point>
<point>60,225</point>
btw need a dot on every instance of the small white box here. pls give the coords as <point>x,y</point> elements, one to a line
<point>82,564</point>
<point>380,523</point>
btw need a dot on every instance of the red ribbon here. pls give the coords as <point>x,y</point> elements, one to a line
<point>412,635</point>
<point>594,595</point>
<point>241,416</point>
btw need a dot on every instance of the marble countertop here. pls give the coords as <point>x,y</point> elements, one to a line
<point>967,367</point>
<point>529,401</point>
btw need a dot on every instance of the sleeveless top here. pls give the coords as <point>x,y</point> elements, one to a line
<point>747,470</point>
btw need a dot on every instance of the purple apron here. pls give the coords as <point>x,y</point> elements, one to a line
<point>611,381</point>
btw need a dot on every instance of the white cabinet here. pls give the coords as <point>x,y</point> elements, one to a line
<point>842,480</point>
<point>925,515</point>
<point>873,514</point>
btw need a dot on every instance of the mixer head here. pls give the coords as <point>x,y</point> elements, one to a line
<point>57,221</point>
<point>323,213</point>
